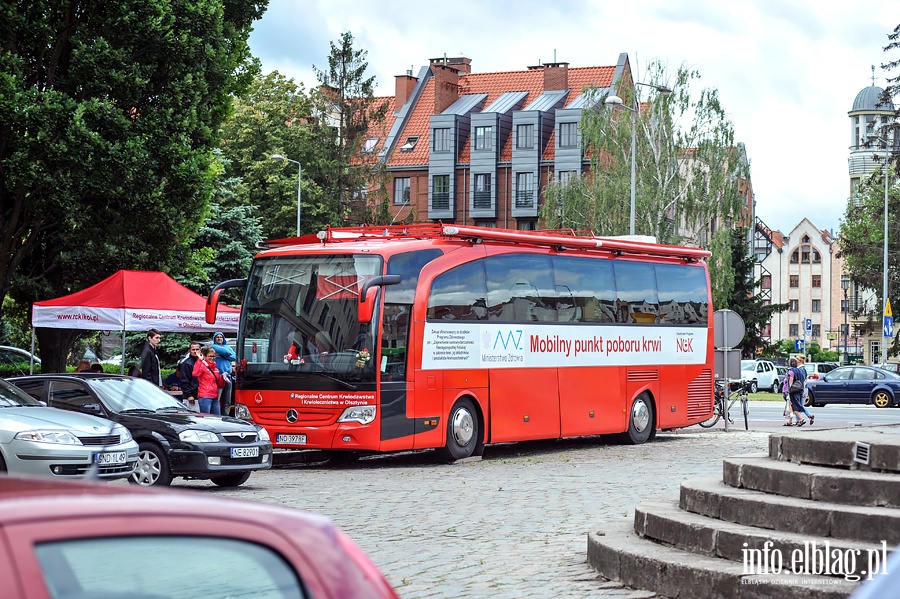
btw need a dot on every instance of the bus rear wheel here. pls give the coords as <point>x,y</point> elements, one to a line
<point>462,431</point>
<point>641,422</point>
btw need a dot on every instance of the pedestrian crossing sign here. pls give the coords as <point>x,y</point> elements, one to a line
<point>887,308</point>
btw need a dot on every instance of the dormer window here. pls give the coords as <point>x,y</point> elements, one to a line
<point>370,144</point>
<point>410,144</point>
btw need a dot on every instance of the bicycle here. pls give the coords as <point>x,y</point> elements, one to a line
<point>719,408</point>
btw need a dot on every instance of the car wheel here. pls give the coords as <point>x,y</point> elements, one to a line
<point>640,421</point>
<point>2,464</point>
<point>152,468</point>
<point>882,399</point>
<point>235,479</point>
<point>775,386</point>
<point>462,431</point>
<point>754,386</point>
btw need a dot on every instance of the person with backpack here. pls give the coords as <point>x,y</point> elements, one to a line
<point>801,360</point>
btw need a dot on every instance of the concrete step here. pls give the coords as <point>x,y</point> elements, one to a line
<point>617,553</point>
<point>836,485</point>
<point>663,522</point>
<point>838,448</point>
<point>712,498</point>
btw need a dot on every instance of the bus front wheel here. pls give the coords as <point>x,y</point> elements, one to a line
<point>462,431</point>
<point>640,421</point>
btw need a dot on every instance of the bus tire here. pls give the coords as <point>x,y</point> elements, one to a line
<point>462,431</point>
<point>641,421</point>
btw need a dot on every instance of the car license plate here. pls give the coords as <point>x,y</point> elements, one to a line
<point>290,439</point>
<point>245,452</point>
<point>110,458</point>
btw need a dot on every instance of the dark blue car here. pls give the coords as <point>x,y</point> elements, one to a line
<point>855,384</point>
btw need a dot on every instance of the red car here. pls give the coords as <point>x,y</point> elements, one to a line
<point>77,540</point>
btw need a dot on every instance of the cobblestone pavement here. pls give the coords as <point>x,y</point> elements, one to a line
<point>512,525</point>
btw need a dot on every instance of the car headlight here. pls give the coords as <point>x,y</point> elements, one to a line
<point>263,434</point>
<point>124,434</point>
<point>361,414</point>
<point>61,437</point>
<point>193,436</point>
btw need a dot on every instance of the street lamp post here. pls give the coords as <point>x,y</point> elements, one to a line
<point>281,158</point>
<point>634,108</point>
<point>845,285</point>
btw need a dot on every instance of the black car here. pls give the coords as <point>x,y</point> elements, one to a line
<point>855,384</point>
<point>173,440</point>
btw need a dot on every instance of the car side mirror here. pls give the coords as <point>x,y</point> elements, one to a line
<point>92,408</point>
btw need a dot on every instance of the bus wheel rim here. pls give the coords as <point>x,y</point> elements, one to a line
<point>640,415</point>
<point>463,427</point>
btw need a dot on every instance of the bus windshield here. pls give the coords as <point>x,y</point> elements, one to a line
<point>301,317</point>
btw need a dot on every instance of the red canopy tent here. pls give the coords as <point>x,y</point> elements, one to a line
<point>131,300</point>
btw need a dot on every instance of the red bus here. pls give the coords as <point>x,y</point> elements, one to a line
<point>378,339</point>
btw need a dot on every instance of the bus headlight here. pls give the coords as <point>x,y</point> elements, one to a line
<point>361,414</point>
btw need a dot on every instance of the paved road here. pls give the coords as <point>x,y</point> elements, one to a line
<point>512,525</point>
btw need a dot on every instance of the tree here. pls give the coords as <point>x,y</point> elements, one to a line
<point>108,114</point>
<point>347,98</point>
<point>892,90</point>
<point>689,171</point>
<point>743,298</point>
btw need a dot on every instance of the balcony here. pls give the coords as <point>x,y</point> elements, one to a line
<point>481,200</point>
<point>440,200</point>
<point>524,199</point>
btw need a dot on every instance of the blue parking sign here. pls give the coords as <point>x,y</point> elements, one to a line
<point>888,328</point>
<point>808,325</point>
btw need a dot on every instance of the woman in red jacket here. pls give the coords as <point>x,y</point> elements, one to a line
<point>210,381</point>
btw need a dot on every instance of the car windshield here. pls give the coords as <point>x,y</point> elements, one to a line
<point>125,393</point>
<point>12,397</point>
<point>748,365</point>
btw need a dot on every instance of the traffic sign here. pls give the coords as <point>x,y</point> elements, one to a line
<point>808,325</point>
<point>887,308</point>
<point>799,344</point>
<point>888,328</point>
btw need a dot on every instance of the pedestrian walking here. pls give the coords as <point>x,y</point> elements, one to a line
<point>150,358</point>
<point>795,394</point>
<point>209,381</point>
<point>801,361</point>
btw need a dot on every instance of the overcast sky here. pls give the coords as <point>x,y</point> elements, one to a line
<point>787,71</point>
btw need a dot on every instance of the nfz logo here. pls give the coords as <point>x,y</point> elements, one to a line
<point>510,340</point>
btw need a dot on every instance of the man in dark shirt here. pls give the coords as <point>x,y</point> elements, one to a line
<point>189,383</point>
<point>150,359</point>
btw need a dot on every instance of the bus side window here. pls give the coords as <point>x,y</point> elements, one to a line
<point>637,301</point>
<point>683,294</point>
<point>586,289</point>
<point>521,288</point>
<point>459,294</point>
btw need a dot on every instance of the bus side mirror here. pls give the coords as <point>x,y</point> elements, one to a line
<point>212,302</point>
<point>368,296</point>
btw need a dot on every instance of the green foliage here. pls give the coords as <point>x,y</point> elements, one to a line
<point>347,99</point>
<point>782,348</point>
<point>745,301</point>
<point>109,115</point>
<point>893,88</point>
<point>815,353</point>
<point>688,170</point>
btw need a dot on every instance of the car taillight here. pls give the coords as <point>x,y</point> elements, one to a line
<point>814,376</point>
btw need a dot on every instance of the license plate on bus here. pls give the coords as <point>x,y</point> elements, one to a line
<point>110,458</point>
<point>290,439</point>
<point>245,452</point>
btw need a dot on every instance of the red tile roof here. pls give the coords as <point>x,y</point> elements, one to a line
<point>493,84</point>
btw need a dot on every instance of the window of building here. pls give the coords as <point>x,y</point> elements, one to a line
<point>481,198</point>
<point>816,256</point>
<point>795,305</point>
<point>793,330</point>
<point>369,145</point>
<point>766,330</point>
<point>817,305</point>
<point>766,282</point>
<point>525,136</point>
<point>484,138</point>
<point>410,144</point>
<point>816,330</point>
<point>568,135</point>
<point>440,192</point>
<point>804,255</point>
<point>401,190</point>
<point>441,139</point>
<point>526,225</point>
<point>795,280</point>
<point>566,177</point>
<point>492,224</point>
<point>524,190</point>
<point>817,280</point>
<point>874,351</point>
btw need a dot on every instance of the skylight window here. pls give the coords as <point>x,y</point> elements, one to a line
<point>370,144</point>
<point>410,144</point>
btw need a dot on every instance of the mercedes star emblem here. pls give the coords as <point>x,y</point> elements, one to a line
<point>292,415</point>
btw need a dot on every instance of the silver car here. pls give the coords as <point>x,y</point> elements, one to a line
<point>35,439</point>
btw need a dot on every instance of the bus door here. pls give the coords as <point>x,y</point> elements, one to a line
<point>524,404</point>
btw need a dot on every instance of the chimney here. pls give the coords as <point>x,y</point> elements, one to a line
<point>461,63</point>
<point>556,76</point>
<point>446,81</point>
<point>404,86</point>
